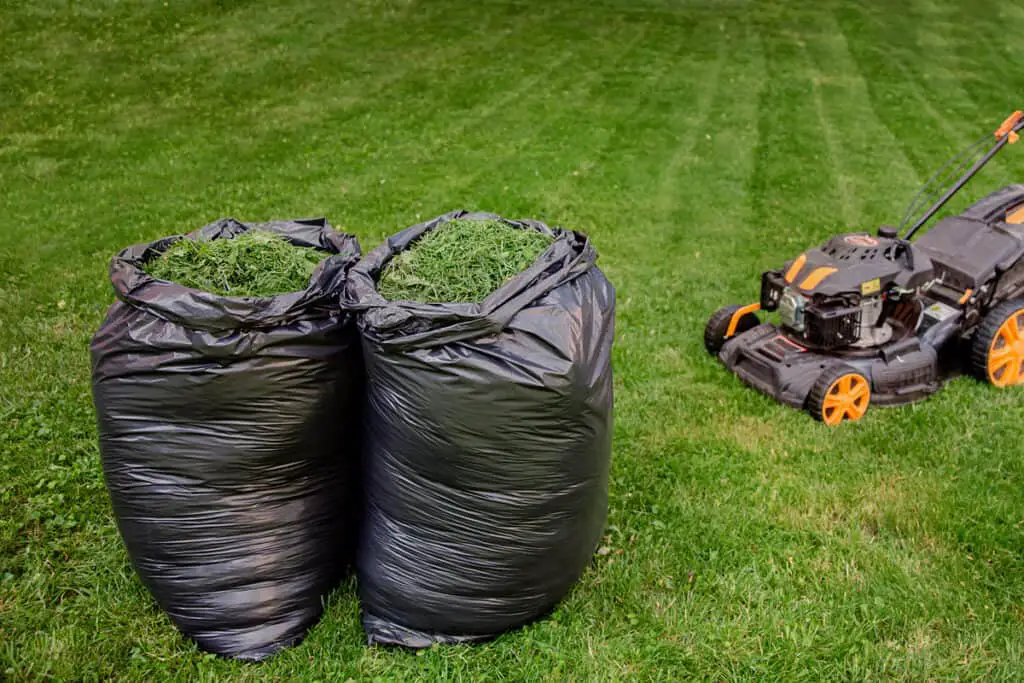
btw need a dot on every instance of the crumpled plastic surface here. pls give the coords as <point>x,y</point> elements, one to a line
<point>229,434</point>
<point>488,442</point>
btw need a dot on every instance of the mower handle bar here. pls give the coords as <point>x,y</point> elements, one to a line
<point>1006,134</point>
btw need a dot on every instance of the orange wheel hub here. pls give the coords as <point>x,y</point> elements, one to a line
<point>847,398</point>
<point>1006,355</point>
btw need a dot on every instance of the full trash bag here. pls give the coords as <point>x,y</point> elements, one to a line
<point>488,442</point>
<point>229,435</point>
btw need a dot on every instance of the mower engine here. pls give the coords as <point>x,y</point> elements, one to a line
<point>848,292</point>
<point>833,322</point>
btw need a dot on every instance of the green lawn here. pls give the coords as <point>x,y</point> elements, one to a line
<point>697,141</point>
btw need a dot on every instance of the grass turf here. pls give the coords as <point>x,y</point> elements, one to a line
<point>257,264</point>
<point>697,143</point>
<point>460,261</point>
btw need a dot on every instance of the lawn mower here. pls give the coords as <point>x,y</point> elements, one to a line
<point>877,319</point>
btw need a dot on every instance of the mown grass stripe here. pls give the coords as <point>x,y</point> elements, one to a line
<point>526,158</point>
<point>879,175</point>
<point>932,119</point>
<point>793,188</point>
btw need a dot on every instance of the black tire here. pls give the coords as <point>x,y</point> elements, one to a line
<point>825,388</point>
<point>984,339</point>
<point>718,325</point>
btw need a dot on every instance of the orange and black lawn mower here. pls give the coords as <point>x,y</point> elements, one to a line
<point>879,319</point>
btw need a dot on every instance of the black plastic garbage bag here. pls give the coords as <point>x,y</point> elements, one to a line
<point>229,434</point>
<point>488,430</point>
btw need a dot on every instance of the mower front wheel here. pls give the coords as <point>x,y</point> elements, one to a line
<point>841,393</point>
<point>716,332</point>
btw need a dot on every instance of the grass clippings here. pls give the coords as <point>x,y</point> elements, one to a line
<point>258,264</point>
<point>461,261</point>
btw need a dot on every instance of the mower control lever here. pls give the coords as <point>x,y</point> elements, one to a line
<point>1010,127</point>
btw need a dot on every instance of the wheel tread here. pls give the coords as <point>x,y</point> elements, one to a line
<point>986,333</point>
<point>718,323</point>
<point>819,390</point>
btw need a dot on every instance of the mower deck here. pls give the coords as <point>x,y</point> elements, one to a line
<point>901,372</point>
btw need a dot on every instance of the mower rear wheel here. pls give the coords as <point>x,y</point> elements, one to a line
<point>715,332</point>
<point>997,349</point>
<point>841,393</point>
